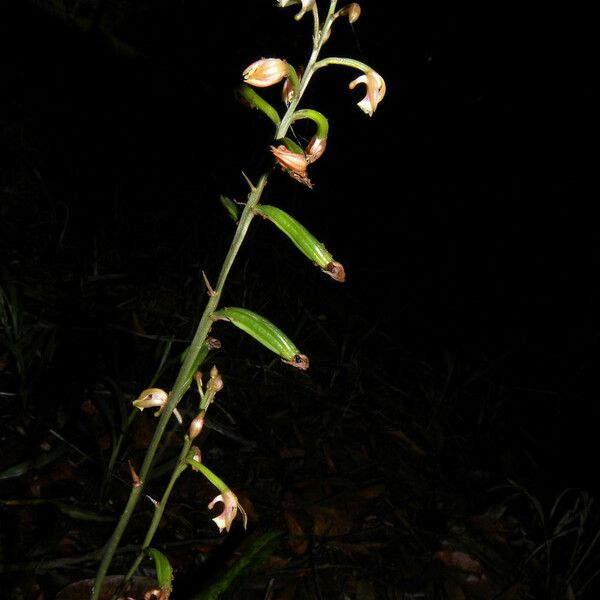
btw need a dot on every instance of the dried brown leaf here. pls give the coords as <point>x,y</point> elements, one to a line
<point>297,540</point>
<point>460,561</point>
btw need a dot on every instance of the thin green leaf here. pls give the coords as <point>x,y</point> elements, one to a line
<point>82,514</point>
<point>231,207</point>
<point>254,558</point>
<point>38,462</point>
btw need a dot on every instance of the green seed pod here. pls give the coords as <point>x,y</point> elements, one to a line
<point>318,118</point>
<point>164,570</point>
<point>247,95</point>
<point>303,240</point>
<point>263,331</point>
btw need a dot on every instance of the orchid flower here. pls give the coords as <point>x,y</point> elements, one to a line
<point>375,91</point>
<point>265,72</point>
<point>230,509</point>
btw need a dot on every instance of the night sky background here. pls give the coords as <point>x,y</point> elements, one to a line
<point>463,210</point>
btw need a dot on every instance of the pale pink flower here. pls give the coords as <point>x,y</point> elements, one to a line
<point>265,72</point>
<point>230,509</point>
<point>155,397</point>
<point>150,398</point>
<point>306,6</point>
<point>375,91</point>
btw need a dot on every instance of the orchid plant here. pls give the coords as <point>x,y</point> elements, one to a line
<point>295,161</point>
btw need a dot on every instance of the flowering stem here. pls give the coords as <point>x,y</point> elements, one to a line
<point>308,72</point>
<point>184,377</point>
<point>182,383</point>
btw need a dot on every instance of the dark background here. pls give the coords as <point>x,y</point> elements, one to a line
<point>462,210</point>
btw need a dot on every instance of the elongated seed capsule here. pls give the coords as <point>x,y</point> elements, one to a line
<point>305,241</point>
<point>263,331</point>
<point>248,96</point>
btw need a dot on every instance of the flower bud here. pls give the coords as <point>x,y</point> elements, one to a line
<point>197,456</point>
<point>157,594</point>
<point>216,384</point>
<point>213,343</point>
<point>287,91</point>
<point>352,11</point>
<point>265,72</point>
<point>196,426</point>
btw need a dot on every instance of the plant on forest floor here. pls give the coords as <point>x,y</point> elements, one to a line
<point>295,161</point>
<point>568,537</point>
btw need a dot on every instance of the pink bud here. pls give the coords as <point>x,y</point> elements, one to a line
<point>196,426</point>
<point>352,10</point>
<point>265,72</point>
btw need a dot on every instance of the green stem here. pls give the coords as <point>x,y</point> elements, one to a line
<point>316,26</point>
<point>185,374</point>
<point>344,62</point>
<point>315,116</point>
<point>160,509</point>
<point>182,382</point>
<point>288,118</point>
<point>258,102</point>
<point>214,479</point>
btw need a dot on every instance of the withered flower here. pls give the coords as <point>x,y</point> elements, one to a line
<point>315,148</point>
<point>293,163</point>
